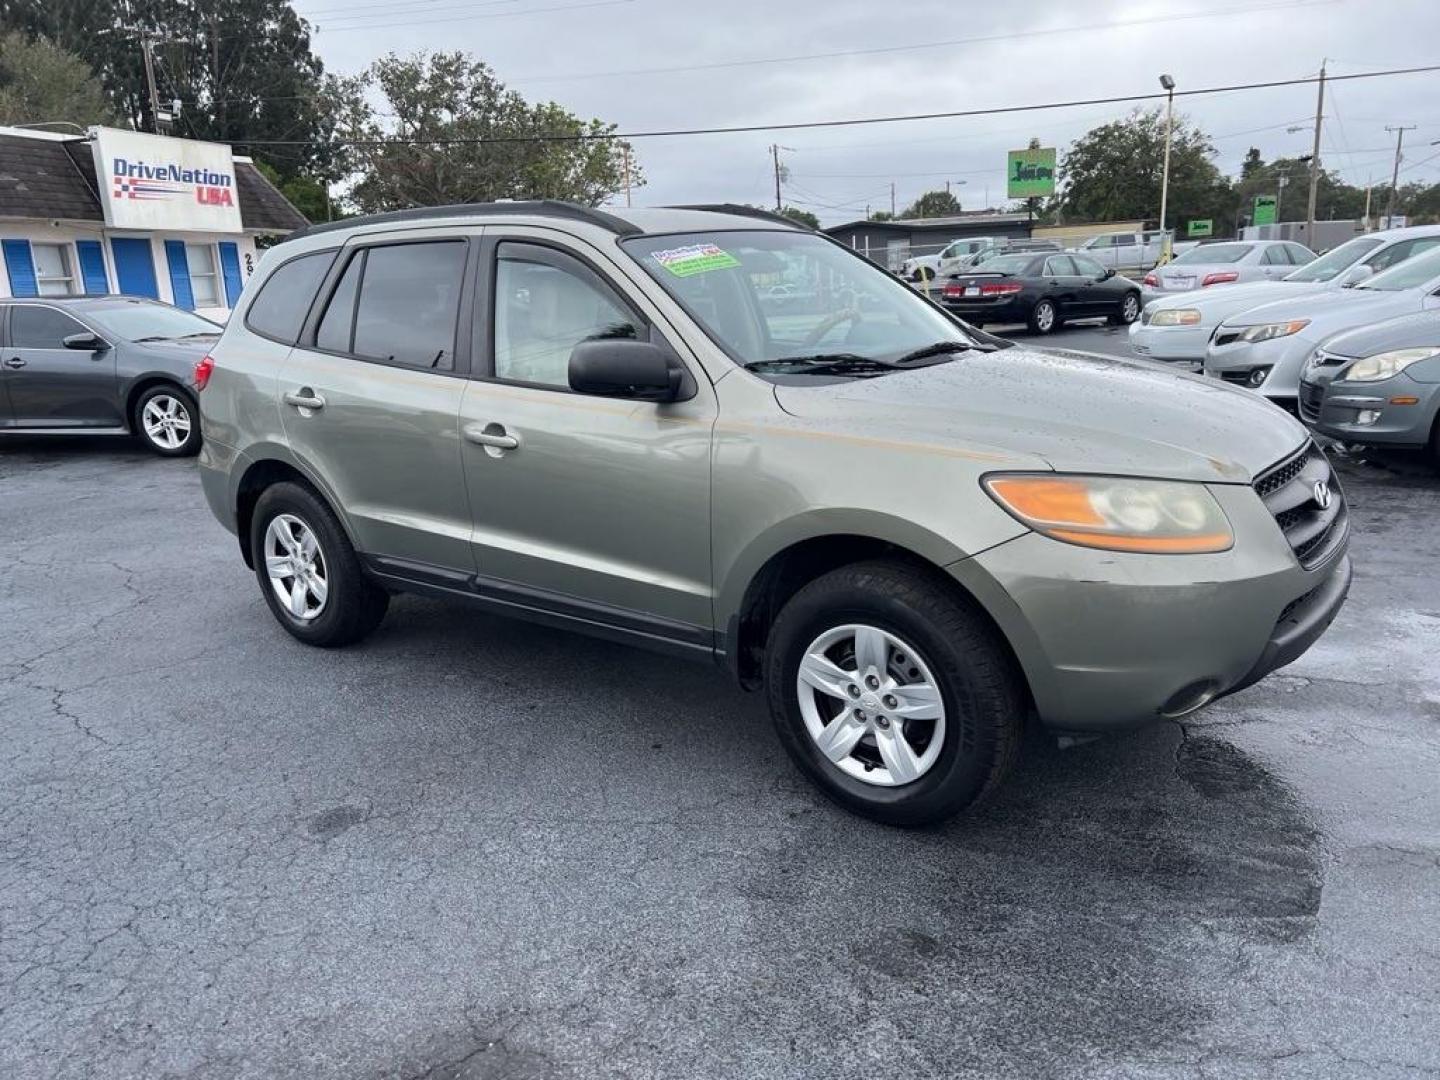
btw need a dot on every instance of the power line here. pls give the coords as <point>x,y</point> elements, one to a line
<point>396,7</point>
<point>882,50</point>
<point>739,129</point>
<point>322,30</point>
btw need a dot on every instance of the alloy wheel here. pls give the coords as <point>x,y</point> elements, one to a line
<point>296,567</point>
<point>1045,317</point>
<point>166,420</point>
<point>1130,309</point>
<point>871,704</point>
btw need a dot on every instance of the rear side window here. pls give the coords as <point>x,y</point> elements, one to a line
<point>408,304</point>
<point>280,308</point>
<point>334,333</point>
<point>40,327</point>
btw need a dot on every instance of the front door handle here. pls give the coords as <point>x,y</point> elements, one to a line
<point>15,362</point>
<point>492,436</point>
<point>304,399</point>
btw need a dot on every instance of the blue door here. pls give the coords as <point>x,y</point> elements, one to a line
<point>134,267</point>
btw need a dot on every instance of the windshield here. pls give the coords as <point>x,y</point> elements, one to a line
<point>1214,253</point>
<point>1333,262</point>
<point>767,296</point>
<point>1409,274</point>
<point>135,320</point>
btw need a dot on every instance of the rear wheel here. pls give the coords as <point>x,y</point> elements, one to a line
<point>892,694</point>
<point>308,571</point>
<point>1129,310</point>
<point>166,419</point>
<point>1044,317</point>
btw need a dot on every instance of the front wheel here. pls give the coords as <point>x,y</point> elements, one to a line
<point>1044,317</point>
<point>892,694</point>
<point>308,571</point>
<point>165,417</point>
<point>1129,310</point>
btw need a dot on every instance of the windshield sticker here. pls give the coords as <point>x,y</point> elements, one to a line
<point>695,259</point>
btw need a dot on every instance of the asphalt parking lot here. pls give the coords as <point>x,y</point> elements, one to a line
<point>473,848</point>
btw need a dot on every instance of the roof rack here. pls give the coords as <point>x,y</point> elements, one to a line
<point>532,207</point>
<point>741,210</point>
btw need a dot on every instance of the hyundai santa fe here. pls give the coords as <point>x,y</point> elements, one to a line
<point>716,434</point>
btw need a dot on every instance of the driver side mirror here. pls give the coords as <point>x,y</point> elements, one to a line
<point>625,368</point>
<point>1357,274</point>
<point>85,342</point>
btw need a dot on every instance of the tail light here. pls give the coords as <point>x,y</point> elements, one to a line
<point>1151,280</point>
<point>952,290</point>
<point>203,368</point>
<point>1007,288</point>
<point>1220,278</point>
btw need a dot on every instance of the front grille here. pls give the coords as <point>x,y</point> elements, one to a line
<point>1311,395</point>
<point>1289,491</point>
<point>1226,337</point>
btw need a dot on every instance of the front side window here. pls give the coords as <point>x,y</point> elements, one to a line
<point>34,327</point>
<point>1087,266</point>
<point>546,303</point>
<point>204,280</point>
<point>54,271</point>
<point>279,309</point>
<point>1396,254</point>
<point>1411,273</point>
<point>790,303</point>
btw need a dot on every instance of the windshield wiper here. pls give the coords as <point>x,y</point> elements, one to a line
<point>202,333</point>
<point>940,348</point>
<point>152,337</point>
<point>823,364</point>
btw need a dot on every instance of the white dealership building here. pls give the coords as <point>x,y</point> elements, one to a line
<point>117,211</point>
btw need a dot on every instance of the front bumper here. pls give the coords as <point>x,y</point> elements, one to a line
<point>1170,342</point>
<point>1334,409</point>
<point>1111,640</point>
<point>1284,358</point>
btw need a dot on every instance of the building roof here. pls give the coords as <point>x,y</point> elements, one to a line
<point>957,221</point>
<point>42,176</point>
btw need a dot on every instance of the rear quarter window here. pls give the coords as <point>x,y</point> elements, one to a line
<point>279,309</point>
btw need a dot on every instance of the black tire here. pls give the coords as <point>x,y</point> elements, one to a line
<point>185,406</point>
<point>1129,310</point>
<point>983,692</point>
<point>1041,323</point>
<point>354,605</point>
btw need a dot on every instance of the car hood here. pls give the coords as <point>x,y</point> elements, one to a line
<point>173,352</point>
<point>1077,412</point>
<point>1406,332</point>
<point>1335,308</point>
<point>1219,301</point>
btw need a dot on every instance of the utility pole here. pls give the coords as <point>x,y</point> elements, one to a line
<point>1395,174</point>
<point>775,156</point>
<point>1168,85</point>
<point>1314,160</point>
<point>892,198</point>
<point>147,49</point>
<point>625,149</point>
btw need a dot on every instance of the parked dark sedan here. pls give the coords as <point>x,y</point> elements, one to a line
<point>1378,385</point>
<point>1042,290</point>
<point>103,365</point>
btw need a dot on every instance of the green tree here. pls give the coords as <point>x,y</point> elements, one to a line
<point>1113,172</point>
<point>40,82</point>
<point>1289,178</point>
<point>804,217</point>
<point>1418,202</point>
<point>933,204</point>
<point>882,215</point>
<point>243,70</point>
<point>466,138</point>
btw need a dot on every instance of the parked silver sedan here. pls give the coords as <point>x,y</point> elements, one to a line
<point>1226,262</point>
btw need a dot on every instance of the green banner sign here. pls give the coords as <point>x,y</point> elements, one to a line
<point>1203,227</point>
<point>1264,210</point>
<point>1030,173</point>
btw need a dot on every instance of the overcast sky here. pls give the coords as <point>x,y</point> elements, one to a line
<point>598,58</point>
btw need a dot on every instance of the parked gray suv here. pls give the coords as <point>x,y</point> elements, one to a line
<point>715,434</point>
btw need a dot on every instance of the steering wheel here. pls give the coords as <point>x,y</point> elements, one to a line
<point>825,325</point>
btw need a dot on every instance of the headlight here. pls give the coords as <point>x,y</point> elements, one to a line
<point>1176,317</point>
<point>1386,365</point>
<point>1273,330</point>
<point>1116,513</point>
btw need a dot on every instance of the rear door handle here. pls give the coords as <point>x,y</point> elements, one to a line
<point>304,399</point>
<point>15,362</point>
<point>492,435</point>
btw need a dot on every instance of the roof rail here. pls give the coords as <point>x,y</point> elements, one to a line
<point>741,210</point>
<point>533,207</point>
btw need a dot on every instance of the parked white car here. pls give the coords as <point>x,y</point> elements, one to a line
<point>1130,251</point>
<point>1226,262</point>
<point>947,260</point>
<point>1266,347</point>
<point>1178,328</point>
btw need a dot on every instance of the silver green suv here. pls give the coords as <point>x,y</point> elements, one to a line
<point>708,432</point>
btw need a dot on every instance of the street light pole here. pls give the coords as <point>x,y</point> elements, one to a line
<point>1168,84</point>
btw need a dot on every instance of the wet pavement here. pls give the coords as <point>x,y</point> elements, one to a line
<point>472,848</point>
